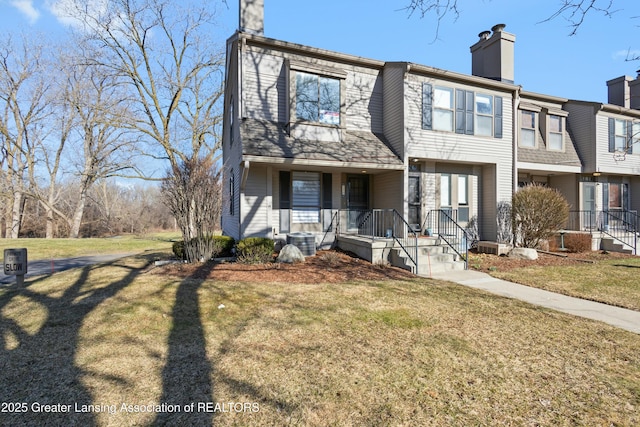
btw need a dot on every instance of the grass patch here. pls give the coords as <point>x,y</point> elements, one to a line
<point>611,281</point>
<point>415,352</point>
<point>67,248</point>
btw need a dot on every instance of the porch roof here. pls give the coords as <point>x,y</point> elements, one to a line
<point>270,141</point>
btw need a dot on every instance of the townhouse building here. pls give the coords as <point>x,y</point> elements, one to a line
<point>331,145</point>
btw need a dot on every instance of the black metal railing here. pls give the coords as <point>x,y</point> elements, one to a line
<point>332,227</point>
<point>442,223</point>
<point>378,224</point>
<point>621,225</point>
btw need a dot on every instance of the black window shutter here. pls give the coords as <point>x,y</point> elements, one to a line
<point>612,134</point>
<point>460,111</point>
<point>627,143</point>
<point>497,118</point>
<point>427,105</point>
<point>605,196</point>
<point>326,191</point>
<point>469,112</point>
<point>285,190</point>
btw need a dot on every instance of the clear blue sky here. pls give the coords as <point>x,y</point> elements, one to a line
<point>548,60</point>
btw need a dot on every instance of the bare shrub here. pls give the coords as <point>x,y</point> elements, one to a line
<point>538,212</point>
<point>577,242</point>
<point>382,264</point>
<point>330,259</point>
<point>192,191</point>
<point>503,219</point>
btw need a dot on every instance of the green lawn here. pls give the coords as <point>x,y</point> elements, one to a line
<point>613,281</point>
<point>65,248</point>
<point>416,352</point>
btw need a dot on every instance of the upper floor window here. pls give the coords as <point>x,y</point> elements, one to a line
<point>555,132</point>
<point>635,138</point>
<point>484,114</point>
<point>528,129</point>
<point>623,135</point>
<point>443,109</point>
<point>467,112</point>
<point>317,98</point>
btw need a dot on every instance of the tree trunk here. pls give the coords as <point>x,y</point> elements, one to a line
<point>76,220</point>
<point>16,215</point>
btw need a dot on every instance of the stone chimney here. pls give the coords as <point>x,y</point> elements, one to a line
<point>492,56</point>
<point>252,16</point>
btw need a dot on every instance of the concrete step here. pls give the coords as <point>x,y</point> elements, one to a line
<point>609,244</point>
<point>430,260</point>
<point>439,267</point>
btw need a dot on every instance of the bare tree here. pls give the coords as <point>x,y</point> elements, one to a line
<point>574,11</point>
<point>24,108</point>
<point>160,50</point>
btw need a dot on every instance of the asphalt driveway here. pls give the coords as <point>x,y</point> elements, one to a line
<point>50,266</point>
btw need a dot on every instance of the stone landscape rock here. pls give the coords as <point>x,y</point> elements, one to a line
<point>524,253</point>
<point>290,254</point>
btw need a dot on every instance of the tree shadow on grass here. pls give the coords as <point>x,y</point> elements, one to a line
<point>39,367</point>
<point>186,376</point>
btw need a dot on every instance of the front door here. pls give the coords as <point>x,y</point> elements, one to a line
<point>357,200</point>
<point>414,202</point>
<point>588,217</point>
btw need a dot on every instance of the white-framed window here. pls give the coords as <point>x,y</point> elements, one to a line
<point>555,133</point>
<point>445,191</point>
<point>305,197</point>
<point>443,109</point>
<point>528,129</point>
<point>635,138</point>
<point>620,135</point>
<point>467,112</point>
<point>484,114</point>
<point>317,98</point>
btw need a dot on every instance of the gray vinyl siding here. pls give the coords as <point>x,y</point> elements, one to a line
<point>489,202</point>
<point>581,123</point>
<point>388,191</point>
<point>275,202</point>
<point>255,203</point>
<point>393,120</point>
<point>568,186</point>
<point>264,87</point>
<point>453,147</point>
<point>363,101</point>
<point>232,152</point>
<point>606,161</point>
<point>265,90</point>
<point>231,223</point>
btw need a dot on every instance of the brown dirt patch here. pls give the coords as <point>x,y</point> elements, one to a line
<point>324,267</point>
<point>488,262</point>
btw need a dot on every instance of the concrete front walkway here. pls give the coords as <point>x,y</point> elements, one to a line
<point>615,316</point>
